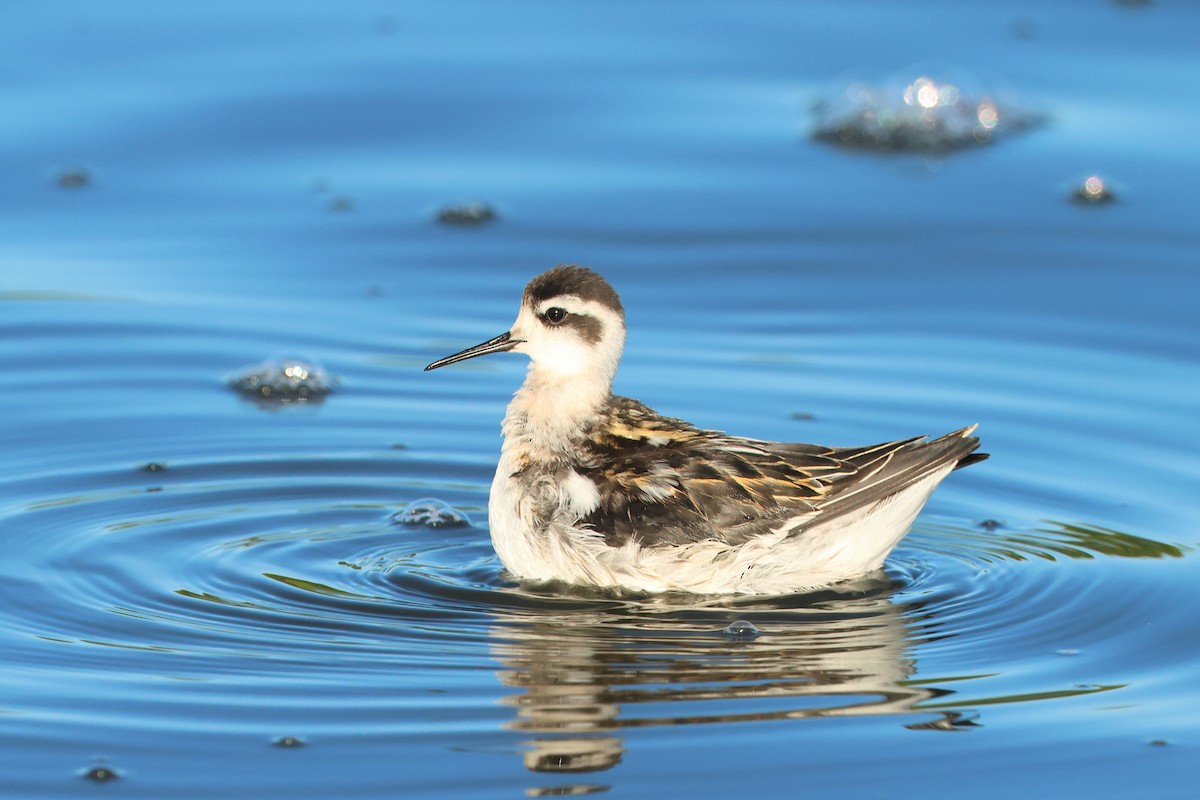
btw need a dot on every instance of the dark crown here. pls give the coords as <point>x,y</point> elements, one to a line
<point>574,280</point>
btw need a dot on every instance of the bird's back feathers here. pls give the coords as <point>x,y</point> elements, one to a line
<point>664,482</point>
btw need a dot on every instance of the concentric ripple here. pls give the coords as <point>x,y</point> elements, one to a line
<point>206,592</point>
<point>274,575</point>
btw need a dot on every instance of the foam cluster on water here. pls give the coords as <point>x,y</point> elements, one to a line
<point>917,111</point>
<point>284,380</point>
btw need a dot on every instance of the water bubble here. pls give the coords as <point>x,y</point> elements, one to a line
<point>917,112</point>
<point>284,380</point>
<point>101,773</point>
<point>431,512</point>
<point>741,630</point>
<point>289,741</point>
<point>1094,190</point>
<point>466,214</point>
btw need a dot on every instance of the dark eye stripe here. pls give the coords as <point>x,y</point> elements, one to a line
<point>586,325</point>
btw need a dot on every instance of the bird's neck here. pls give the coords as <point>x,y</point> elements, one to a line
<point>551,413</point>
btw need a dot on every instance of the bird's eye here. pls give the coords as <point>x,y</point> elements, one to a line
<point>555,315</point>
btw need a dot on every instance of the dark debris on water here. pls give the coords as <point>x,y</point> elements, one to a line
<point>289,742</point>
<point>466,214</point>
<point>568,790</point>
<point>74,178</point>
<point>950,721</point>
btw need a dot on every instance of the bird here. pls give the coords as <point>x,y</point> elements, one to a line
<point>598,490</point>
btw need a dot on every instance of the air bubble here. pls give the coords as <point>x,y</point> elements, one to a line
<point>284,380</point>
<point>1094,190</point>
<point>742,630</point>
<point>917,112</point>
<point>101,773</point>
<point>431,512</point>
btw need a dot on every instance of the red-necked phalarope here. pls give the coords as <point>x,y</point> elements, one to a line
<point>601,490</point>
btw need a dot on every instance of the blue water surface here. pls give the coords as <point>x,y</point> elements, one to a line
<point>207,594</point>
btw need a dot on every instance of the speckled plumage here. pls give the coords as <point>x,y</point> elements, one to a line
<point>599,489</point>
<point>664,482</point>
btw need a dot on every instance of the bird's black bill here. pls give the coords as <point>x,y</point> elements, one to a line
<point>501,344</point>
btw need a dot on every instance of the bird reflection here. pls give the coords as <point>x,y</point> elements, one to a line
<point>584,676</point>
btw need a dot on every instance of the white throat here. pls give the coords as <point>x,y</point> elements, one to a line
<point>551,411</point>
<point>567,384</point>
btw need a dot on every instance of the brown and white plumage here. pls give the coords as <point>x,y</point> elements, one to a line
<point>598,489</point>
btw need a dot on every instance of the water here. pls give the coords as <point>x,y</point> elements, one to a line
<point>193,579</point>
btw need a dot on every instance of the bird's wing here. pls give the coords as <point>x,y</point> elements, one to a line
<point>665,482</point>
<point>882,470</point>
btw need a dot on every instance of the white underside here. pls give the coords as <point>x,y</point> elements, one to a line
<point>802,554</point>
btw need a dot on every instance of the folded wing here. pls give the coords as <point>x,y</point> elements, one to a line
<point>664,482</point>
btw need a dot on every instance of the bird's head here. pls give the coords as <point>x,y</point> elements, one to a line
<point>571,325</point>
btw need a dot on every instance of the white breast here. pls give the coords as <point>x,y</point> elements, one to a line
<point>534,530</point>
<point>786,560</point>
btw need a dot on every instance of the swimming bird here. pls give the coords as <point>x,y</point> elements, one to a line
<point>601,490</point>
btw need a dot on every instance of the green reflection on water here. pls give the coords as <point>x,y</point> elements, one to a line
<point>311,586</point>
<point>213,598</point>
<point>1051,542</point>
<point>1088,541</point>
<point>1027,697</point>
